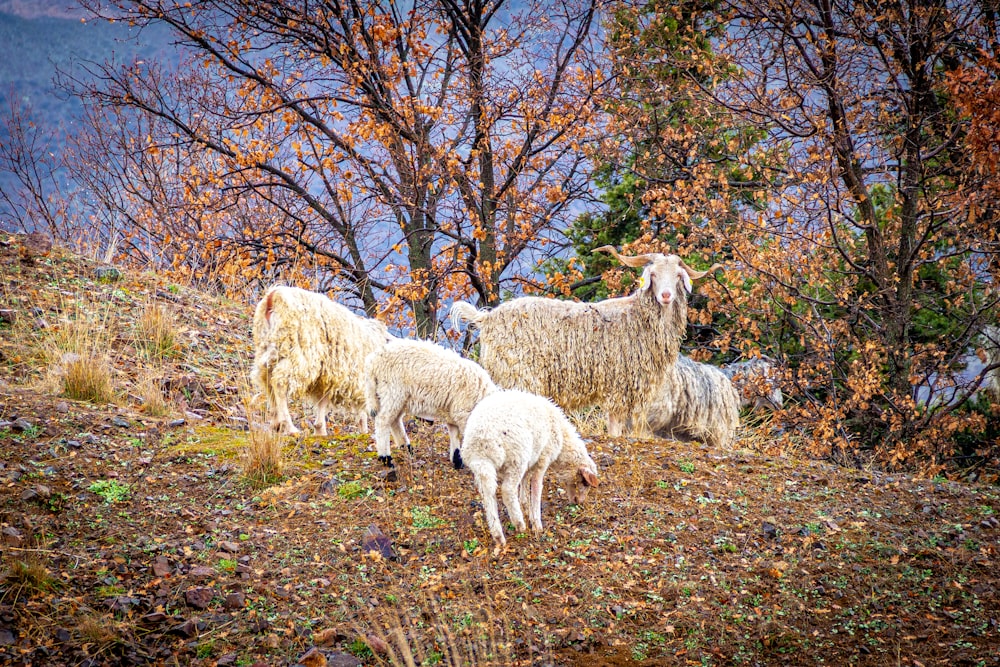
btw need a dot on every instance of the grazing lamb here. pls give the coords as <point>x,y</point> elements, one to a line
<point>757,383</point>
<point>306,344</point>
<point>990,355</point>
<point>513,437</point>
<point>580,354</point>
<point>426,380</point>
<point>697,402</point>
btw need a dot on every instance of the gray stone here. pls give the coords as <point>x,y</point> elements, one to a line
<point>107,274</point>
<point>161,567</point>
<point>21,425</point>
<point>231,547</point>
<point>201,573</point>
<point>235,601</point>
<point>199,597</point>
<point>12,535</point>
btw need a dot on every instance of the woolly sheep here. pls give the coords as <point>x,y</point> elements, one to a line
<point>757,383</point>
<point>990,355</point>
<point>697,402</point>
<point>306,344</point>
<point>426,380</point>
<point>514,437</point>
<point>579,354</point>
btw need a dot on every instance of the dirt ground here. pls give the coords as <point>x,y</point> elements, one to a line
<point>131,538</point>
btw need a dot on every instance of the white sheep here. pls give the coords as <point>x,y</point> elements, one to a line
<point>580,354</point>
<point>306,344</point>
<point>514,437</point>
<point>989,354</point>
<point>698,402</point>
<point>756,380</point>
<point>420,378</point>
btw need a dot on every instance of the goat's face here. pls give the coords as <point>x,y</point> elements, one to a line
<point>667,277</point>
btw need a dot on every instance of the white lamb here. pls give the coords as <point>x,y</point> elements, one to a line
<point>415,377</point>
<point>513,437</point>
<point>306,344</point>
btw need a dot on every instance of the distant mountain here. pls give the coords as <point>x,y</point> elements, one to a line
<point>44,39</point>
<point>54,41</point>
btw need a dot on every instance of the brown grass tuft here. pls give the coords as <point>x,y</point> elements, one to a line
<point>27,576</point>
<point>154,403</point>
<point>156,335</point>
<point>453,637</point>
<point>87,378</point>
<point>262,459</point>
<point>79,365</point>
<point>96,629</point>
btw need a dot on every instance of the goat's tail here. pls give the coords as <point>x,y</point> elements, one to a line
<point>460,310</point>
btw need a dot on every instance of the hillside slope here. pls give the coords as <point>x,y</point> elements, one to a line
<point>130,537</point>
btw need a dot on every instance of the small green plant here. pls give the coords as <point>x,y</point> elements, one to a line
<point>227,565</point>
<point>30,433</point>
<point>470,546</point>
<point>360,649</point>
<point>205,649</point>
<point>353,490</point>
<point>660,484</point>
<point>111,490</point>
<point>173,289</point>
<point>422,518</point>
<point>686,467</point>
<point>110,591</point>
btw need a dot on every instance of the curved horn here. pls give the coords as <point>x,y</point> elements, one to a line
<point>636,261</point>
<point>698,275</point>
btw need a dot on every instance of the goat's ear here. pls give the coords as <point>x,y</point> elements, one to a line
<point>589,478</point>
<point>644,280</point>
<point>686,279</point>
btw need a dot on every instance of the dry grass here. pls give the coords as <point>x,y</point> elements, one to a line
<point>27,576</point>
<point>96,629</point>
<point>462,636</point>
<point>88,378</point>
<point>156,334</point>
<point>261,459</point>
<point>79,365</point>
<point>154,403</point>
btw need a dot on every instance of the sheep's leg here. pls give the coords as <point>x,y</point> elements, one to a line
<point>282,418</point>
<point>322,408</point>
<point>384,424</point>
<point>486,483</point>
<point>400,436</point>
<point>511,500</point>
<point>536,478</point>
<point>455,446</point>
<point>615,424</point>
<point>524,495</point>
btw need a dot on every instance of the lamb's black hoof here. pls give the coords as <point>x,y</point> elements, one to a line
<point>386,460</point>
<point>409,448</point>
<point>456,459</point>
